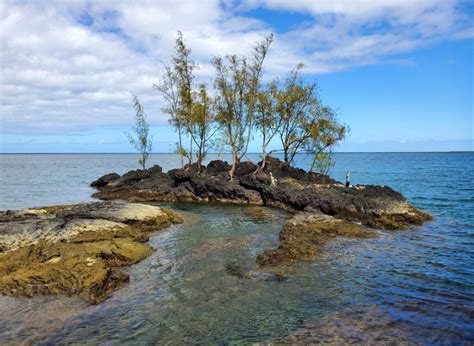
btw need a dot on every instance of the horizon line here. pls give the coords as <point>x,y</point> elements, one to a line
<point>256,153</point>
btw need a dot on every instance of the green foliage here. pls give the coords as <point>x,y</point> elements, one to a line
<point>237,85</point>
<point>322,162</point>
<point>180,150</point>
<point>140,139</point>
<point>239,106</point>
<point>304,123</point>
<point>168,87</point>
<point>203,126</point>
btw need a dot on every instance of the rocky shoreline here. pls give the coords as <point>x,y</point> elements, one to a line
<point>323,207</point>
<point>75,249</point>
<point>78,249</point>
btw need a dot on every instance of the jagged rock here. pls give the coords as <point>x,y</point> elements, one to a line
<point>245,168</point>
<point>75,249</point>
<point>104,180</point>
<point>280,170</point>
<point>207,187</point>
<point>218,166</point>
<point>295,189</point>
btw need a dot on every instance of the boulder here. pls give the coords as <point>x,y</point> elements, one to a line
<point>218,166</point>
<point>104,180</point>
<point>245,168</point>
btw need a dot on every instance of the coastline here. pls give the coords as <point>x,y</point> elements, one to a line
<point>112,234</point>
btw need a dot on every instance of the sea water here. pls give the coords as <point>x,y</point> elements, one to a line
<point>405,286</point>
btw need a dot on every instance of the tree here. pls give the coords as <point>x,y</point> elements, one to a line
<point>184,68</point>
<point>324,134</point>
<point>202,125</point>
<point>265,121</point>
<point>168,87</point>
<point>293,111</point>
<point>141,138</point>
<point>322,162</point>
<point>304,123</point>
<point>237,85</point>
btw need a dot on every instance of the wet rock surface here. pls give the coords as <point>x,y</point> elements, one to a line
<point>303,237</point>
<point>75,249</point>
<point>334,210</point>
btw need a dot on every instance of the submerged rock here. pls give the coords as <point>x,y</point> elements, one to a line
<point>303,237</point>
<point>75,249</point>
<point>360,325</point>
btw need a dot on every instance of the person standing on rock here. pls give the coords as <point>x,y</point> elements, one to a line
<point>348,179</point>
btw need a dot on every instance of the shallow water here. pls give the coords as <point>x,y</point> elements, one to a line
<point>405,286</point>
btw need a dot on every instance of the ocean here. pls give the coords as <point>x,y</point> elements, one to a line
<point>406,286</point>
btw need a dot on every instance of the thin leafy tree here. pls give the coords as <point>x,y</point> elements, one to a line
<point>168,87</point>
<point>184,68</point>
<point>294,102</point>
<point>305,124</point>
<point>266,123</point>
<point>237,85</point>
<point>203,126</point>
<point>325,133</point>
<point>141,139</point>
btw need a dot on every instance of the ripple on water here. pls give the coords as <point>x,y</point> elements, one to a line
<point>202,286</point>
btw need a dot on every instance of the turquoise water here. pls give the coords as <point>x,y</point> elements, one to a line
<point>405,286</point>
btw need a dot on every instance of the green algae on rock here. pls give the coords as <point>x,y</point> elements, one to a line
<point>303,237</point>
<point>75,249</point>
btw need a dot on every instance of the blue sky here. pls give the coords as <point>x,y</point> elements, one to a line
<point>399,72</point>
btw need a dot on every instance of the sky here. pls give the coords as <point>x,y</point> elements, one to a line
<point>398,72</point>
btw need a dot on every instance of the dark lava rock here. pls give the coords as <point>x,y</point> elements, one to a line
<point>216,188</point>
<point>245,168</point>
<point>218,166</point>
<point>155,170</point>
<point>104,180</point>
<point>278,185</point>
<point>280,170</point>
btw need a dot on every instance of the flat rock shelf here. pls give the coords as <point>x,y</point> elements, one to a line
<point>75,249</point>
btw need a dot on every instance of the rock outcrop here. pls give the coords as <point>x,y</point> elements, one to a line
<point>304,235</point>
<point>75,249</point>
<point>333,208</point>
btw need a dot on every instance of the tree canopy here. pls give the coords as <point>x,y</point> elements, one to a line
<point>236,105</point>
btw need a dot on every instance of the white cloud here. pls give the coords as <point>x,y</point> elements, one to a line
<point>71,65</point>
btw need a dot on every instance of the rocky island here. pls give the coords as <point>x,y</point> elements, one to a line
<point>323,208</point>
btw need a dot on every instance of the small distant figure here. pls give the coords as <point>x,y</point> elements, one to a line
<point>273,181</point>
<point>348,179</point>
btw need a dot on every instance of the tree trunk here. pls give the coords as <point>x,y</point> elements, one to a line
<point>264,161</point>
<point>180,148</point>
<point>234,164</point>
<point>286,156</point>
<point>190,156</point>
